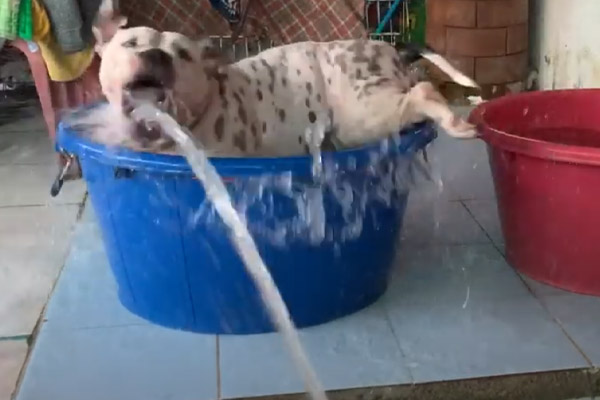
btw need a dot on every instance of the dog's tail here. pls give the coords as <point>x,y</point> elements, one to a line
<point>411,53</point>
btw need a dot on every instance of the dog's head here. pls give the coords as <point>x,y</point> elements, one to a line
<point>143,64</point>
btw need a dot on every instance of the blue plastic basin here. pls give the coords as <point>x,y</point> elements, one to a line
<point>173,261</point>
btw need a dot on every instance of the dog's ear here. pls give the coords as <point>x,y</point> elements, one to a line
<point>108,22</point>
<point>212,57</point>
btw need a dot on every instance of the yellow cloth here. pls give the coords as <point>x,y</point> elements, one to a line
<point>61,67</point>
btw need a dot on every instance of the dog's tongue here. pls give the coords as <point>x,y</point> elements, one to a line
<point>134,97</point>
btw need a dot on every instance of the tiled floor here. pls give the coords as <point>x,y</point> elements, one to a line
<point>12,356</point>
<point>454,310</point>
<point>35,232</point>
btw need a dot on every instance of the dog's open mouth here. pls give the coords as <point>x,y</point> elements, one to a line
<point>145,82</point>
<point>144,88</point>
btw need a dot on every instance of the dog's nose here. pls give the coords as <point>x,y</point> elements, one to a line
<point>156,57</point>
<point>158,64</point>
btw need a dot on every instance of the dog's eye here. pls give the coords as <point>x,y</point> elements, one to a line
<point>183,54</point>
<point>130,43</point>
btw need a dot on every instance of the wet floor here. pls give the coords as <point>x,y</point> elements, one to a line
<point>34,228</point>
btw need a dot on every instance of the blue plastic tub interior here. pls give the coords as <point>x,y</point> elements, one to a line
<point>188,276</point>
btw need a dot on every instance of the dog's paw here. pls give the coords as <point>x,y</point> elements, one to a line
<point>461,129</point>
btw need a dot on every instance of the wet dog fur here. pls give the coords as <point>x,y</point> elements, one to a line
<point>359,90</point>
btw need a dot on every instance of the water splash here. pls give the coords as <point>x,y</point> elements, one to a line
<point>332,206</point>
<point>240,236</point>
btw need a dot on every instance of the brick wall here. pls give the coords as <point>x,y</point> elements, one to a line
<point>298,19</point>
<point>487,39</point>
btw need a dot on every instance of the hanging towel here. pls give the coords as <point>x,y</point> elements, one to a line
<point>62,67</point>
<point>65,20</point>
<point>9,18</point>
<point>71,22</point>
<point>89,9</point>
<point>25,25</point>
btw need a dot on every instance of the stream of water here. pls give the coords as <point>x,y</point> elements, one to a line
<point>217,193</point>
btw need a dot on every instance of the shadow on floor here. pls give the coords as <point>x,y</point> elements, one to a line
<point>18,104</point>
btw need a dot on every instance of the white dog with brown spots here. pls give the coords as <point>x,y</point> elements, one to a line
<point>361,90</point>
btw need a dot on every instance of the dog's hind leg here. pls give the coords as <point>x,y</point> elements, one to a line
<point>385,109</point>
<point>425,100</point>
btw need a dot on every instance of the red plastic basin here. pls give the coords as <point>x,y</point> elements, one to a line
<point>544,151</point>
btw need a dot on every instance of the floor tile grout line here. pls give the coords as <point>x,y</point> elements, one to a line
<point>14,338</point>
<point>397,341</point>
<point>554,318</point>
<point>450,246</point>
<point>82,205</point>
<point>31,343</point>
<point>218,367</point>
<point>28,164</point>
<point>50,326</point>
<point>424,245</point>
<point>11,206</point>
<point>41,319</point>
<point>34,130</point>
<point>473,199</point>
<point>535,295</point>
<point>557,321</point>
<point>49,164</point>
<point>485,232</point>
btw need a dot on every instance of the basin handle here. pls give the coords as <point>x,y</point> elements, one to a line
<point>60,178</point>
